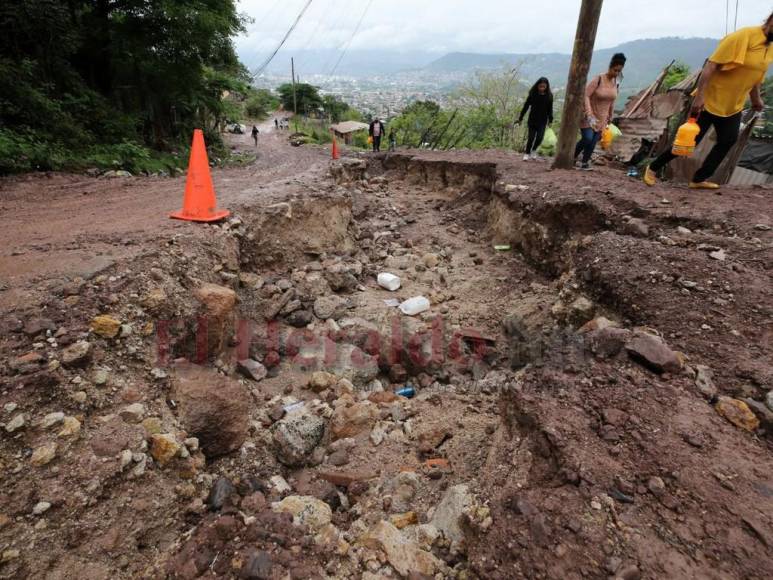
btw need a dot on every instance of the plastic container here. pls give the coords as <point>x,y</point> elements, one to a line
<point>407,391</point>
<point>684,144</point>
<point>389,281</point>
<point>414,306</point>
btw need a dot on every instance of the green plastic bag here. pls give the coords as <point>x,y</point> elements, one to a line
<point>616,132</point>
<point>549,143</point>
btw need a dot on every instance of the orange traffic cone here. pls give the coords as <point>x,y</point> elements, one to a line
<point>199,204</point>
<point>335,149</point>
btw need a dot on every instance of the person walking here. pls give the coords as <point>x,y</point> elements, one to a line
<point>255,134</point>
<point>736,69</point>
<point>276,124</point>
<point>600,96</point>
<point>392,139</point>
<point>540,101</point>
<point>376,130</point>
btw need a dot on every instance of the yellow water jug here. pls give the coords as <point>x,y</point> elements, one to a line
<point>684,144</point>
<point>607,137</point>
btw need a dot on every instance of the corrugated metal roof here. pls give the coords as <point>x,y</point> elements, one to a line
<point>348,127</point>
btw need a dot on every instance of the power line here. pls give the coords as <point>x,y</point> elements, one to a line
<point>735,26</point>
<point>356,30</point>
<point>281,44</point>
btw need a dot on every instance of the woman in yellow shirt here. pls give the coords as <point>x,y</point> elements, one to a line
<point>735,70</point>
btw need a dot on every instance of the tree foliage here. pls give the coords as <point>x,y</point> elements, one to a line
<point>676,74</point>
<point>308,99</point>
<point>87,73</point>
<point>259,103</point>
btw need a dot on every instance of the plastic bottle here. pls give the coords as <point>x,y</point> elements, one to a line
<point>684,144</point>
<point>389,281</point>
<point>407,391</point>
<point>414,306</point>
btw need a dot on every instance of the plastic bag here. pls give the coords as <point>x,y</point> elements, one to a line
<point>370,140</point>
<point>549,143</point>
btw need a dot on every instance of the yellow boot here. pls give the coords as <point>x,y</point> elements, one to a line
<point>649,177</point>
<point>703,185</point>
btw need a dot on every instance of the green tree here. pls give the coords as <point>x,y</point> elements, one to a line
<point>260,103</point>
<point>308,98</point>
<point>676,74</point>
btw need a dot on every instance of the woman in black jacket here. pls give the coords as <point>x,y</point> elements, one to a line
<point>540,101</point>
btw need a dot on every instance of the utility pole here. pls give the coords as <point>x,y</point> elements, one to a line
<point>295,99</point>
<point>574,101</point>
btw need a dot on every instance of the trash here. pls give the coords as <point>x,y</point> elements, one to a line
<point>393,302</point>
<point>407,391</point>
<point>414,306</point>
<point>389,281</point>
<point>293,407</point>
<point>437,463</point>
<point>503,248</point>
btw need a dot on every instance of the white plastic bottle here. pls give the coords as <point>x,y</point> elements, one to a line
<point>389,281</point>
<point>414,306</point>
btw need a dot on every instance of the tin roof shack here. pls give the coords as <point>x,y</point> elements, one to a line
<point>346,130</point>
<point>648,124</point>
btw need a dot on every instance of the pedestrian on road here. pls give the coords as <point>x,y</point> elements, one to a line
<point>600,96</point>
<point>376,130</point>
<point>735,70</point>
<point>540,101</point>
<point>255,134</point>
<point>392,139</point>
<point>276,123</point>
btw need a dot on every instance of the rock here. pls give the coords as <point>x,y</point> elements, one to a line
<point>338,458</point>
<point>36,326</point>
<point>607,342</point>
<point>719,255</point>
<point>153,425</point>
<point>295,437</point>
<point>430,260</point>
<point>580,311</point>
<point>322,381</point>
<point>656,487</point>
<point>306,510</point>
<point>18,422</point>
<point>379,433</point>
<point>51,419</point>
<point>769,400</point>
<point>217,303</point>
<point>346,478</point>
<point>252,369</point>
<point>653,352</point>
<point>340,279</point>
<point>164,447</point>
<point>738,413</point>
<point>134,413</point>
<point>43,455</point>
<point>220,494</point>
<point>403,555</point>
<point>330,307</point>
<point>257,566</point>
<point>105,326</point>
<point>351,363</point>
<point>154,300</point>
<point>764,414</point>
<point>300,318</point>
<point>629,573</point>
<point>213,408</point>
<point>455,502</point>
<point>430,439</point>
<point>704,380</point>
<point>636,227</point>
<point>401,521</point>
<point>350,420</point>
<point>77,354</point>
<point>27,362</point>
<point>40,508</point>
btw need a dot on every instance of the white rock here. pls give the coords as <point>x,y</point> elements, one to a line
<point>280,484</point>
<point>51,419</point>
<point>41,507</point>
<point>306,510</point>
<point>18,422</point>
<point>456,501</point>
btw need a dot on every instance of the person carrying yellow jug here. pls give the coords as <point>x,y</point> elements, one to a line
<point>735,70</point>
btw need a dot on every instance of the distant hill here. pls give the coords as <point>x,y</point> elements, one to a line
<point>646,58</point>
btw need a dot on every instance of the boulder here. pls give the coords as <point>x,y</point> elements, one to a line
<point>296,436</point>
<point>212,407</point>
<point>404,555</point>
<point>456,501</point>
<point>321,381</point>
<point>330,306</point>
<point>653,352</point>
<point>704,380</point>
<point>77,354</point>
<point>306,510</point>
<point>164,447</point>
<point>350,420</point>
<point>252,369</point>
<point>217,305</point>
<point>607,341</point>
<point>105,326</point>
<point>738,413</point>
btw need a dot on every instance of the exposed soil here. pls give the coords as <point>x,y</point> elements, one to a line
<point>565,422</point>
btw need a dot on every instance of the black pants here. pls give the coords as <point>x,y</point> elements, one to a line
<point>534,140</point>
<point>376,142</point>
<point>727,129</point>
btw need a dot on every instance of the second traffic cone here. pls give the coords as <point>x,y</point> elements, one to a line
<point>199,204</point>
<point>335,149</point>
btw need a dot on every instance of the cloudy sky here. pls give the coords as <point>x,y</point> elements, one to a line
<point>482,25</point>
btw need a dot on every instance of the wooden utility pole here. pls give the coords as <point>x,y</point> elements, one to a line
<point>574,101</point>
<point>295,99</point>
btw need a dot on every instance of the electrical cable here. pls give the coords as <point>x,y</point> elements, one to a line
<point>260,70</point>
<point>735,26</point>
<point>356,30</point>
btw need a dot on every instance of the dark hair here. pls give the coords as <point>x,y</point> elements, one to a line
<point>617,58</point>
<point>769,18</point>
<point>534,90</point>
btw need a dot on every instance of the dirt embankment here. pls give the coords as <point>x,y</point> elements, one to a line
<point>589,403</point>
